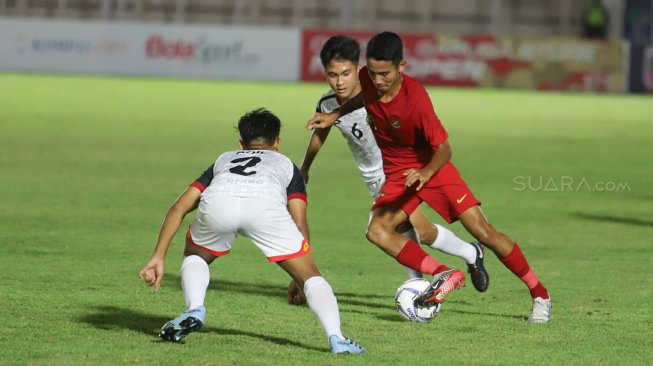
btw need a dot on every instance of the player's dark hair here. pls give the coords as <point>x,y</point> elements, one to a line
<point>385,46</point>
<point>259,124</point>
<point>340,47</point>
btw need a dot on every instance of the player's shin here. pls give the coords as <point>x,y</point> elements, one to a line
<point>195,278</point>
<point>412,256</point>
<point>414,236</point>
<point>517,264</point>
<point>447,242</point>
<point>323,303</point>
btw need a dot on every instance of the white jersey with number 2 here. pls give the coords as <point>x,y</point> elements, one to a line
<point>254,173</point>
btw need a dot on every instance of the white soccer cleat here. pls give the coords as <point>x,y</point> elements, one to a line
<point>345,346</point>
<point>541,312</point>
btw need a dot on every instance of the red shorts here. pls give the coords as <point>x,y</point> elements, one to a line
<point>447,193</point>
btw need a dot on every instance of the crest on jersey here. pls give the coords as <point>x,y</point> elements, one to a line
<point>395,123</point>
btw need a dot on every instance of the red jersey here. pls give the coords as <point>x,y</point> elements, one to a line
<point>406,129</point>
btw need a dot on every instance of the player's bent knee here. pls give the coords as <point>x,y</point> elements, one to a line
<point>195,251</point>
<point>374,233</point>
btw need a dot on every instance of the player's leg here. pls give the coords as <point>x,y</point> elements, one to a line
<point>511,256</point>
<point>210,235</point>
<point>195,278</point>
<point>442,200</point>
<point>440,238</point>
<point>406,229</point>
<point>195,275</point>
<point>321,301</point>
<point>411,234</point>
<point>381,232</point>
<point>272,230</point>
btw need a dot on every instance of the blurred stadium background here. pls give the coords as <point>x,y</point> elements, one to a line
<point>493,43</point>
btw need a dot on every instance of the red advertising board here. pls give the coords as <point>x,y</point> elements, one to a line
<point>489,61</point>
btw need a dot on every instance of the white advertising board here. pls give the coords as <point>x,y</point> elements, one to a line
<point>119,48</point>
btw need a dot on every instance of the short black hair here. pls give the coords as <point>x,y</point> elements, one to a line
<point>340,47</point>
<point>259,124</point>
<point>385,46</point>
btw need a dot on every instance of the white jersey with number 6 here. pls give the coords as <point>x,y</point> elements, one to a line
<point>357,133</point>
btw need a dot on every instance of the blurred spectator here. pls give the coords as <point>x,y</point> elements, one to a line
<point>595,20</point>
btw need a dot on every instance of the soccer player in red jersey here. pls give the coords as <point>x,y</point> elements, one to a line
<point>417,164</point>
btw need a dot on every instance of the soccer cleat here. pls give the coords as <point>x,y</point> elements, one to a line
<point>345,346</point>
<point>440,287</point>
<point>179,327</point>
<point>541,311</point>
<point>480,277</point>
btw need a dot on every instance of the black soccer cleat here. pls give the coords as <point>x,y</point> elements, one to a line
<point>179,327</point>
<point>480,277</point>
<point>172,333</point>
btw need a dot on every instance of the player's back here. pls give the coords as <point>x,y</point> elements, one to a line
<point>252,173</point>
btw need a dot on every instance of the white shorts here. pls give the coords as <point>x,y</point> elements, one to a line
<point>267,223</point>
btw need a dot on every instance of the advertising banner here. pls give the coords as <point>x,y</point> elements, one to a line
<point>150,49</point>
<point>498,62</point>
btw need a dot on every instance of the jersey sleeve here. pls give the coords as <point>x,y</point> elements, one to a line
<point>318,107</point>
<point>430,124</point>
<point>297,188</point>
<point>204,180</point>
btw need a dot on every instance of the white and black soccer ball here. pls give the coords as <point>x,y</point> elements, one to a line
<point>405,301</point>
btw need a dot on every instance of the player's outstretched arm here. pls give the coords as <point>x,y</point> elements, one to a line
<point>153,271</point>
<point>314,145</point>
<point>324,120</point>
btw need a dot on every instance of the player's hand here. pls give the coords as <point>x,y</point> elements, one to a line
<point>153,272</point>
<point>417,176</point>
<point>295,294</point>
<point>322,120</point>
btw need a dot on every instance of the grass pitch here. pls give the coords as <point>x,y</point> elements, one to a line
<point>88,167</point>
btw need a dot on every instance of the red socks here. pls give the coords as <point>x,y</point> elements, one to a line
<point>517,264</point>
<point>412,256</point>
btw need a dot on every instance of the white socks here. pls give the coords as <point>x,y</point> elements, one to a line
<point>449,243</point>
<point>414,236</point>
<point>323,303</point>
<point>195,278</point>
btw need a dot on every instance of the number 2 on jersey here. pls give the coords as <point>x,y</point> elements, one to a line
<point>241,169</point>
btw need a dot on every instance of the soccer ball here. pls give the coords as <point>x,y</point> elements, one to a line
<point>405,301</point>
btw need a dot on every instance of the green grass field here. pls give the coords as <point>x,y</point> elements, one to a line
<point>89,166</point>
